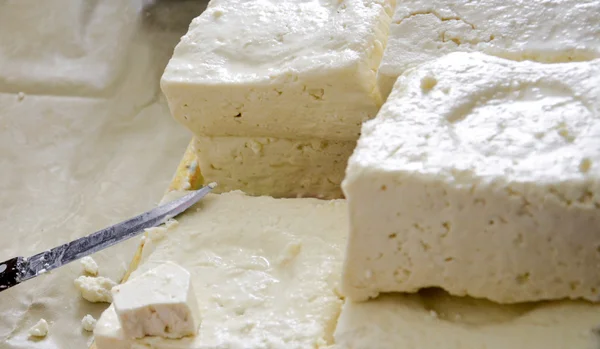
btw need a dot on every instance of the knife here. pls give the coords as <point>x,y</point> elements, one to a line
<point>19,269</point>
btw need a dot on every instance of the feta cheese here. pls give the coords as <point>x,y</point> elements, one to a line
<point>433,320</point>
<point>274,167</point>
<point>108,333</point>
<point>40,329</point>
<point>89,266</point>
<point>475,183</point>
<point>95,289</point>
<point>246,299</point>
<point>161,302</point>
<point>289,69</point>
<point>88,323</point>
<point>545,31</point>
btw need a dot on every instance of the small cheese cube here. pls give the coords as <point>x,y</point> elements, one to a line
<point>161,302</point>
<point>480,175</point>
<point>289,69</point>
<point>274,166</point>
<point>543,31</point>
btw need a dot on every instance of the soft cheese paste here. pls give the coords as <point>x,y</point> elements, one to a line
<point>255,289</point>
<point>85,142</point>
<point>480,175</point>
<point>543,31</point>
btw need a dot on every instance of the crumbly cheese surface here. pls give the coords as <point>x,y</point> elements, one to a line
<point>485,176</point>
<point>160,302</point>
<point>274,166</point>
<point>279,68</point>
<point>546,31</point>
<point>40,329</point>
<point>265,272</point>
<point>432,320</point>
<point>95,289</point>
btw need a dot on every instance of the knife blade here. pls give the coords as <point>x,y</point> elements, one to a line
<point>18,269</point>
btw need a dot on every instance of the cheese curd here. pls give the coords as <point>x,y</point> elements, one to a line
<point>95,289</point>
<point>279,68</point>
<point>479,175</point>
<point>254,288</point>
<point>160,302</point>
<point>545,31</point>
<point>274,166</point>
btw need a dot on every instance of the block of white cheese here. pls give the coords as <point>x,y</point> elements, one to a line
<point>480,175</point>
<point>265,273</point>
<point>288,68</point>
<point>543,31</point>
<point>160,302</point>
<point>432,320</point>
<point>274,166</point>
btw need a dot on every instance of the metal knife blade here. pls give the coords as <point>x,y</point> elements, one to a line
<point>19,269</point>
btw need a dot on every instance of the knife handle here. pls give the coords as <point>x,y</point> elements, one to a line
<point>10,273</point>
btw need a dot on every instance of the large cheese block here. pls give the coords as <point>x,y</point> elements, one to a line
<point>545,31</point>
<point>279,68</point>
<point>480,175</point>
<point>433,320</point>
<point>274,166</point>
<point>265,273</point>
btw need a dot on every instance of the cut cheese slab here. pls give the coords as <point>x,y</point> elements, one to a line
<point>274,166</point>
<point>265,273</point>
<point>481,176</point>
<point>432,320</point>
<point>160,302</point>
<point>545,31</point>
<point>279,68</point>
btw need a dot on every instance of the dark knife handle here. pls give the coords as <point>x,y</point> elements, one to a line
<point>10,274</point>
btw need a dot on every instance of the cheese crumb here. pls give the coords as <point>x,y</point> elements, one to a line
<point>40,329</point>
<point>95,289</point>
<point>89,266</point>
<point>88,323</point>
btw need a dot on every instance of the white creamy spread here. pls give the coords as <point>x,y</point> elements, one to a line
<point>88,323</point>
<point>274,166</point>
<point>279,68</point>
<point>434,320</point>
<point>232,247</point>
<point>87,143</point>
<point>95,289</point>
<point>480,175</point>
<point>40,329</point>
<point>545,31</point>
<point>160,302</point>
<point>89,266</point>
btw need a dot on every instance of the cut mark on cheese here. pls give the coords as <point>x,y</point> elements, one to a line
<point>464,310</point>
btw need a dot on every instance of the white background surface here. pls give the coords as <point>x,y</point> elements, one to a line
<point>89,143</point>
